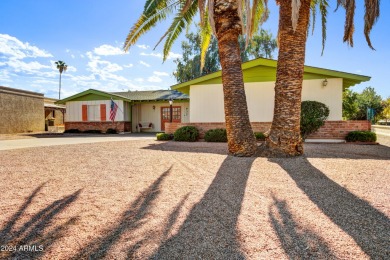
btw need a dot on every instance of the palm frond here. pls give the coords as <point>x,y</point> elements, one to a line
<point>295,7</point>
<point>147,21</point>
<point>179,23</point>
<point>324,12</point>
<point>349,27</point>
<point>205,38</point>
<point>201,7</point>
<point>211,16</point>
<point>370,18</point>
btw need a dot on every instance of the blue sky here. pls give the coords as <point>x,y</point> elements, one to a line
<point>88,36</point>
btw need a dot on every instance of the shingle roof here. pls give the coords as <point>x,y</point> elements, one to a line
<point>152,95</point>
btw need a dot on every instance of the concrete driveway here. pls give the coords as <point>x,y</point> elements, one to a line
<point>50,140</point>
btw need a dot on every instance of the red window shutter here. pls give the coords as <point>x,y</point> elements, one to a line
<point>103,112</point>
<point>85,112</point>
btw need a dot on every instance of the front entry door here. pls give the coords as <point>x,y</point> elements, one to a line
<point>165,116</point>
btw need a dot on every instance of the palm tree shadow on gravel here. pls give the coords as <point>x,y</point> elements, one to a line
<point>131,220</point>
<point>366,225</point>
<point>38,230</point>
<point>209,231</point>
<point>298,242</point>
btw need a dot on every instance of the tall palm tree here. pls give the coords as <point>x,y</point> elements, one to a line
<point>223,18</point>
<point>284,137</point>
<point>61,66</point>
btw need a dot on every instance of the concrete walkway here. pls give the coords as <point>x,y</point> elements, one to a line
<point>70,139</point>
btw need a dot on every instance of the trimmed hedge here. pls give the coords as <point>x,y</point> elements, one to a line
<point>259,136</point>
<point>361,136</point>
<point>313,116</point>
<point>164,137</point>
<point>216,135</point>
<point>186,134</point>
<point>111,131</point>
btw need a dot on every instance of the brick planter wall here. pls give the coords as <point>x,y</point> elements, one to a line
<point>103,126</point>
<point>330,130</point>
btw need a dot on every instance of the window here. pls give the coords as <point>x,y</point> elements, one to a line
<point>93,113</point>
<point>176,113</point>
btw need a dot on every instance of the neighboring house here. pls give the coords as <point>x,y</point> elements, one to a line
<point>54,114</point>
<point>323,85</point>
<point>137,110</point>
<point>21,111</point>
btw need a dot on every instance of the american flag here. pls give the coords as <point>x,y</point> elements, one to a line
<point>114,108</point>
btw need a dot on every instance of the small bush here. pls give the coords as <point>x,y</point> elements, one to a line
<point>313,116</point>
<point>361,136</point>
<point>186,134</point>
<point>111,131</point>
<point>72,131</point>
<point>259,136</point>
<point>93,131</point>
<point>164,137</point>
<point>216,135</point>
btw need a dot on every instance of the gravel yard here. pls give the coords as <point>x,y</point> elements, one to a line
<point>167,200</point>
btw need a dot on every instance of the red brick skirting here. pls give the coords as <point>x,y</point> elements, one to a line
<point>331,129</point>
<point>103,126</point>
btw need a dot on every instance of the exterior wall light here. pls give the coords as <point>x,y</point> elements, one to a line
<point>325,83</point>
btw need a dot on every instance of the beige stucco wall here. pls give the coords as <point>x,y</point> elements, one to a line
<point>206,101</point>
<point>74,110</point>
<point>144,112</point>
<point>21,111</point>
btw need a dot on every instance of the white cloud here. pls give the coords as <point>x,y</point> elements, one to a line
<point>154,54</point>
<point>72,55</point>
<point>171,55</point>
<point>106,50</point>
<point>67,50</point>
<point>160,73</point>
<point>154,79</point>
<point>139,80</point>
<point>144,63</point>
<point>82,56</point>
<point>11,46</point>
<point>143,46</point>
<point>26,67</point>
<point>128,65</point>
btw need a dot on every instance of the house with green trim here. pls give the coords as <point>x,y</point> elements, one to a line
<point>137,110</point>
<point>322,85</point>
<point>200,102</point>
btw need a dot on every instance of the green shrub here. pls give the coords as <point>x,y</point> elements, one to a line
<point>259,136</point>
<point>313,116</point>
<point>93,131</point>
<point>216,135</point>
<point>164,137</point>
<point>186,134</point>
<point>111,131</point>
<point>72,131</point>
<point>361,136</point>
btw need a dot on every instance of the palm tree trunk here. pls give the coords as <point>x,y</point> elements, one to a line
<point>59,89</point>
<point>284,137</point>
<point>241,141</point>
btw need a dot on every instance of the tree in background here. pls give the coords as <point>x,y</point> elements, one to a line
<point>61,66</point>
<point>355,105</point>
<point>189,66</point>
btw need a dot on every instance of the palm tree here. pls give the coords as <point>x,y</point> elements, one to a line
<point>223,18</point>
<point>294,15</point>
<point>61,66</point>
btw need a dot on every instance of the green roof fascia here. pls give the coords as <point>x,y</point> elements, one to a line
<point>92,94</point>
<point>250,70</point>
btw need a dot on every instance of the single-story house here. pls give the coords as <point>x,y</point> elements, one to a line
<point>21,111</point>
<point>206,107</point>
<point>137,111</point>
